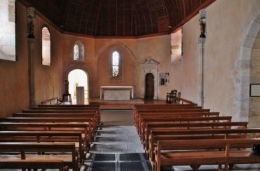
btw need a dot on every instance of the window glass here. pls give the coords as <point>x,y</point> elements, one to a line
<point>46,46</point>
<point>115,64</point>
<point>76,52</point>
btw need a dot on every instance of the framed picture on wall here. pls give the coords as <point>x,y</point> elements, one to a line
<point>254,90</point>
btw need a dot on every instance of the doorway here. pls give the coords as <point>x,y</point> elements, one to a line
<point>76,78</point>
<point>149,86</point>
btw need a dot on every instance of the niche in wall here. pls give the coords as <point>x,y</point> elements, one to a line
<point>149,66</point>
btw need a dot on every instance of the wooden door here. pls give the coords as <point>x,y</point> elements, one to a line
<point>149,86</point>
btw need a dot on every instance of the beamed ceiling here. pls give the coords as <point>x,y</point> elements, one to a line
<point>118,17</point>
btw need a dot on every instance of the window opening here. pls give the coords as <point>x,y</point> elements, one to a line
<point>76,52</point>
<point>46,46</point>
<point>115,64</point>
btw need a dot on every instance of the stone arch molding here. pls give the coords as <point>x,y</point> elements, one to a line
<point>86,70</point>
<point>149,66</point>
<point>242,80</point>
<point>115,43</point>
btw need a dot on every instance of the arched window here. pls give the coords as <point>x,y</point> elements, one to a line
<point>115,64</point>
<point>78,51</point>
<point>46,46</point>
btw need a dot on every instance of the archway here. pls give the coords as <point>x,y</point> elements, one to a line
<point>78,77</point>
<point>250,44</point>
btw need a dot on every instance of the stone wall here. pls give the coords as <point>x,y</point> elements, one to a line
<point>228,49</point>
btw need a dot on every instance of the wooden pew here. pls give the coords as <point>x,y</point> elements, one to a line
<point>82,127</point>
<point>39,152</point>
<point>93,117</point>
<point>33,164</point>
<point>197,125</point>
<point>63,108</point>
<point>168,112</point>
<point>147,119</point>
<point>70,106</point>
<point>73,111</point>
<point>174,115</point>
<point>161,135</point>
<point>45,136</point>
<point>169,121</point>
<point>190,152</point>
<point>89,134</point>
<point>142,107</point>
<point>87,108</point>
<point>46,119</point>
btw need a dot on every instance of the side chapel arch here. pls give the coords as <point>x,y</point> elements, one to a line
<point>243,66</point>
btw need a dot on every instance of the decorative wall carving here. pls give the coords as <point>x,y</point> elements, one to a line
<point>149,65</point>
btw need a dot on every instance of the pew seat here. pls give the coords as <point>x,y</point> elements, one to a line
<point>206,152</point>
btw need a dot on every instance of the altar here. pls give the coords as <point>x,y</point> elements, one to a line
<point>117,92</point>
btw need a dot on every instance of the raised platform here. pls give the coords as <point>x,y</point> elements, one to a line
<point>115,104</point>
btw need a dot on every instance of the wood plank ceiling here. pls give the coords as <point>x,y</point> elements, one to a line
<point>118,17</point>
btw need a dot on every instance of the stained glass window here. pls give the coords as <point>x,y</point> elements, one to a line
<point>115,64</point>
<point>76,52</point>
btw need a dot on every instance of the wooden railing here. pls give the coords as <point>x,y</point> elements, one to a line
<point>184,101</point>
<point>54,100</point>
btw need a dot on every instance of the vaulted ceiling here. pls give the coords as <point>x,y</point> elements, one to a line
<point>118,17</point>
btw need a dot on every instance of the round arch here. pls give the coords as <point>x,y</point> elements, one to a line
<point>86,70</point>
<point>242,80</point>
<point>77,77</point>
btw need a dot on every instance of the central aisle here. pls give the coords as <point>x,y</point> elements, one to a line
<point>117,146</point>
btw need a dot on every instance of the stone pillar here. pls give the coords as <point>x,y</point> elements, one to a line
<point>201,42</point>
<point>30,41</point>
<point>31,72</point>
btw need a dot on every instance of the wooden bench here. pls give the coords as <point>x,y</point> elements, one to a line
<point>162,116</point>
<point>148,119</point>
<point>92,116</point>
<point>168,112</point>
<point>161,135</point>
<point>69,106</point>
<point>40,152</point>
<point>61,110</point>
<point>45,136</point>
<point>196,153</point>
<point>162,106</point>
<point>169,121</point>
<point>92,124</point>
<point>174,115</point>
<point>33,164</point>
<point>82,127</point>
<point>178,126</point>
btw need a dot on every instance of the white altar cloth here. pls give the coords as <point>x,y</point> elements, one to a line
<point>102,88</point>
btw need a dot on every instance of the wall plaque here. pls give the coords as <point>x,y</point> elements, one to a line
<point>254,90</point>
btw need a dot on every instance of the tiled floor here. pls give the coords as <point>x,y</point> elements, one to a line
<point>118,135</point>
<point>117,139</point>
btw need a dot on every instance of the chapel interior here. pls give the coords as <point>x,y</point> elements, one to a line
<point>207,50</point>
